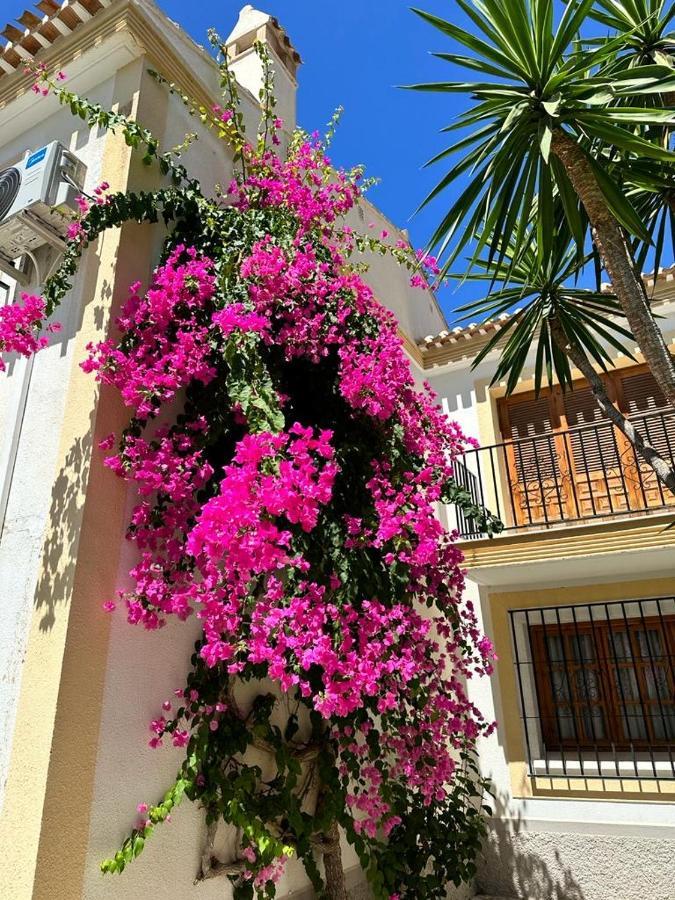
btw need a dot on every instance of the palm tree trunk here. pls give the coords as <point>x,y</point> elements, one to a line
<point>614,250</point>
<point>664,471</point>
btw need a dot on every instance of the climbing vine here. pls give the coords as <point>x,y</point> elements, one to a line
<point>287,472</point>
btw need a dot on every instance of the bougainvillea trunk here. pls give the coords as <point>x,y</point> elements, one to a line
<point>336,888</point>
<point>287,471</point>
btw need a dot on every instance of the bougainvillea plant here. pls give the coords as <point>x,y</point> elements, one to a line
<point>287,473</point>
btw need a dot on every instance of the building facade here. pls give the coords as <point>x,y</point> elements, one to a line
<point>577,592</point>
<point>71,714</point>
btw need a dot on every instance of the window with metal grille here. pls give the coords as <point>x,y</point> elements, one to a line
<point>597,687</point>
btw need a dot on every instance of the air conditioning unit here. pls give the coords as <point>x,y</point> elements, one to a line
<point>37,198</point>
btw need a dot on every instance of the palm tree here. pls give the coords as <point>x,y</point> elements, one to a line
<point>648,183</point>
<point>645,25</point>
<point>538,129</point>
<point>565,323</point>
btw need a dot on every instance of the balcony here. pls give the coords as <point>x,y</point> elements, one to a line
<point>586,473</point>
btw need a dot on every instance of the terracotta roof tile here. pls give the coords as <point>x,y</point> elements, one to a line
<point>653,280</point>
<point>40,28</point>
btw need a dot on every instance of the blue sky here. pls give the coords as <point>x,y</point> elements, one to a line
<point>355,52</point>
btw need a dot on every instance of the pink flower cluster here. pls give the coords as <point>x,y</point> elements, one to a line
<point>242,534</point>
<point>168,471</point>
<point>297,297</point>
<point>20,326</point>
<point>429,269</point>
<point>237,318</point>
<point>298,184</point>
<point>375,376</point>
<point>227,520</point>
<point>170,329</point>
<point>236,559</point>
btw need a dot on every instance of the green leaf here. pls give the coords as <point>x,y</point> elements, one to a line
<point>573,17</point>
<point>620,137</point>
<point>478,46</point>
<point>553,105</point>
<point>545,136</point>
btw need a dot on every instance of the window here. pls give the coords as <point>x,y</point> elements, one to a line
<point>597,684</point>
<point>605,684</point>
<point>566,461</point>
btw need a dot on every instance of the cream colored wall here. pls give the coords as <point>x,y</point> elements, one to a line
<point>66,639</point>
<point>30,431</point>
<point>416,309</point>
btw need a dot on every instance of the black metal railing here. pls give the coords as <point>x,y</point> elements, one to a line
<point>469,481</point>
<point>583,473</point>
<point>596,688</point>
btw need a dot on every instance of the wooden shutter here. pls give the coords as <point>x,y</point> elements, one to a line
<point>641,399</point>
<point>641,394</point>
<point>593,447</point>
<point>530,425</point>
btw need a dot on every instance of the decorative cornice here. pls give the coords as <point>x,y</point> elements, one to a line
<point>111,18</point>
<point>411,348</point>
<point>646,532</point>
<point>162,48</point>
<point>458,343</point>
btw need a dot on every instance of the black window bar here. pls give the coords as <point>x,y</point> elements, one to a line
<point>596,688</point>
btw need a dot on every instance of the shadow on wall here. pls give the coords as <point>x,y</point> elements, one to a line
<point>60,549</point>
<point>68,495</point>
<point>506,866</point>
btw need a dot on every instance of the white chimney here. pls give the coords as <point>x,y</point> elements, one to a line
<point>254,25</point>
